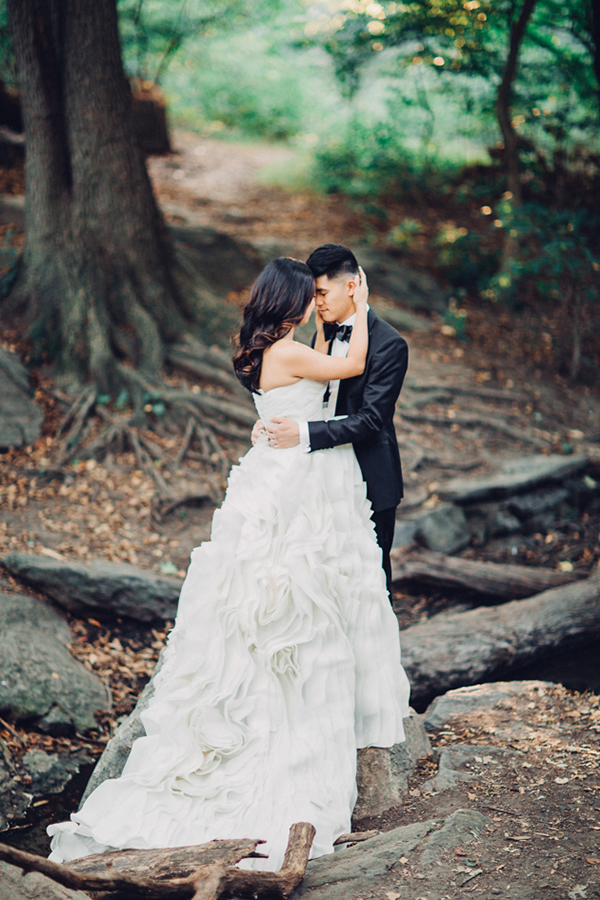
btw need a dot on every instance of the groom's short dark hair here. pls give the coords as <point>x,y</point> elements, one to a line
<point>332,260</point>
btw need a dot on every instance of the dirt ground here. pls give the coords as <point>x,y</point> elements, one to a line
<point>541,801</point>
<point>104,509</point>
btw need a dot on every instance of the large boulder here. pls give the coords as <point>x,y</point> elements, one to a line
<point>383,772</point>
<point>477,701</point>
<point>364,870</point>
<point>103,588</point>
<point>442,528</point>
<point>116,752</point>
<point>464,763</point>
<point>37,672</point>
<point>20,416</point>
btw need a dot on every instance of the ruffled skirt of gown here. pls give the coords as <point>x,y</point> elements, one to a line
<point>285,658</point>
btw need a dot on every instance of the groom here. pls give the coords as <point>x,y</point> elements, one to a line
<point>363,406</point>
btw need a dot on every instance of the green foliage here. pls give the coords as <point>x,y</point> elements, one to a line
<point>466,258</point>
<point>363,160</point>
<point>153,31</point>
<point>555,250</point>
<point>455,318</point>
<point>403,236</point>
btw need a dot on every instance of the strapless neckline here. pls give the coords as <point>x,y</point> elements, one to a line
<point>262,393</point>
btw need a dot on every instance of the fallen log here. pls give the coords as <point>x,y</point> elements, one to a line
<point>485,644</point>
<point>209,870</point>
<point>508,581</point>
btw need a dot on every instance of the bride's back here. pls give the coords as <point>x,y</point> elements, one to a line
<point>301,401</point>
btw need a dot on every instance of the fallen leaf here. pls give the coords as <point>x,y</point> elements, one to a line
<point>392,895</point>
<point>472,796</point>
<point>403,860</point>
<point>460,852</point>
<point>561,780</point>
<point>46,551</point>
<point>592,860</point>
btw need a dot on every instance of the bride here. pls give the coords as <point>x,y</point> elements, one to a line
<point>285,656</point>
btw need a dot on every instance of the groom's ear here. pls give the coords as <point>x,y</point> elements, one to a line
<point>351,285</point>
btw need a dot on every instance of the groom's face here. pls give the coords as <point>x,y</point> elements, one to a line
<point>335,297</point>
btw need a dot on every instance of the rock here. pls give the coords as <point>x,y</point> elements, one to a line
<point>476,699</point>
<point>33,886</point>
<point>514,476</point>
<point>404,532</point>
<point>37,672</point>
<point>360,870</point>
<point>390,278</point>
<point>56,722</point>
<point>114,757</point>
<point>50,773</point>
<point>465,763</point>
<point>490,520</point>
<point>443,528</point>
<point>383,772</point>
<point>13,801</point>
<point>20,416</point>
<point>101,587</point>
<point>534,502</point>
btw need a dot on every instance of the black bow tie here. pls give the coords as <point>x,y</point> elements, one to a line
<point>333,331</point>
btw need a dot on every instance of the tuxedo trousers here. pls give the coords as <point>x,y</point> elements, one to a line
<point>384,521</point>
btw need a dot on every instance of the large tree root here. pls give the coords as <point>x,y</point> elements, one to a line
<point>521,434</point>
<point>205,872</point>
<point>198,415</point>
<point>508,581</point>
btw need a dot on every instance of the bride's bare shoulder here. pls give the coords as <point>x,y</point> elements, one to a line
<point>285,349</point>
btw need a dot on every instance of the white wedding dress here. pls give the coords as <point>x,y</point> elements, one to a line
<point>285,658</point>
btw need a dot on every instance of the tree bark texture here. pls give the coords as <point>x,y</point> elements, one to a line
<point>517,32</point>
<point>457,649</point>
<point>94,283</point>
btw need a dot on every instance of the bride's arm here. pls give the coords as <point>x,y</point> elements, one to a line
<point>301,362</point>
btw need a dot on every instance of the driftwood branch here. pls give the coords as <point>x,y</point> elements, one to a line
<point>456,649</point>
<point>204,872</point>
<point>508,581</point>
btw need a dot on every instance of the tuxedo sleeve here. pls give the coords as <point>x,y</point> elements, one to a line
<point>387,368</point>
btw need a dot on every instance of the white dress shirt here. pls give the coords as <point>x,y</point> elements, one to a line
<point>339,349</point>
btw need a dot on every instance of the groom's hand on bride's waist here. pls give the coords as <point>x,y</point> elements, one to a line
<point>283,433</point>
<point>258,431</point>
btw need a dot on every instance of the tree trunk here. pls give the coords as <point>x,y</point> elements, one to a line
<point>94,285</point>
<point>517,32</point>
<point>595,32</point>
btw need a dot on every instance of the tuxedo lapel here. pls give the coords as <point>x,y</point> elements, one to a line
<point>348,386</point>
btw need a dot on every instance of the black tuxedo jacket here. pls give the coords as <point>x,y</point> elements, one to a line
<point>368,402</point>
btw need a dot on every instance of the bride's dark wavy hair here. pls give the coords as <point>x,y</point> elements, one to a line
<point>279,299</point>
